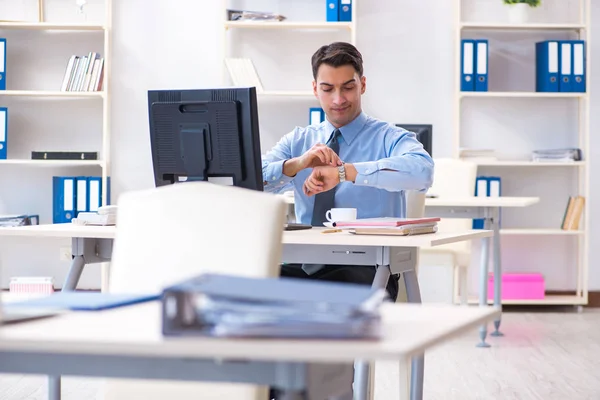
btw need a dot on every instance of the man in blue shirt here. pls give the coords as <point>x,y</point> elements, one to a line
<point>352,158</point>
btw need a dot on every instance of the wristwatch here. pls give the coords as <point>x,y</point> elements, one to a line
<point>342,172</point>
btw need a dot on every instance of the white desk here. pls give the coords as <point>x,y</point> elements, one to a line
<point>487,208</point>
<point>128,343</point>
<point>94,244</point>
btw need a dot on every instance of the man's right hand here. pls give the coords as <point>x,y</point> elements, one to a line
<point>318,155</point>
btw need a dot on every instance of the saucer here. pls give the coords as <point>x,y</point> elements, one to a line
<point>328,224</point>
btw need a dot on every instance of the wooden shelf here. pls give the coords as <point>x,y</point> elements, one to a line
<point>50,26</point>
<point>288,93</point>
<point>53,163</point>
<point>548,300</point>
<point>525,94</point>
<point>51,93</point>
<point>528,231</point>
<point>527,26</point>
<point>500,163</point>
<point>287,25</point>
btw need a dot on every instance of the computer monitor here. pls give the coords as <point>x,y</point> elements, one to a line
<point>424,134</point>
<point>205,135</point>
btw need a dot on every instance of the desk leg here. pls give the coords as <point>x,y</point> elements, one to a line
<point>483,278</point>
<point>54,388</point>
<point>413,295</point>
<point>497,270</point>
<point>361,368</point>
<point>74,273</point>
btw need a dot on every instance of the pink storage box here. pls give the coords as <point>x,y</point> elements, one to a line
<point>519,287</point>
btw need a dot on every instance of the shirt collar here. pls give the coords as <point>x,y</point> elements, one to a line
<point>350,130</point>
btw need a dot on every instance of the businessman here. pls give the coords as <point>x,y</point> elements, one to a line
<point>349,160</point>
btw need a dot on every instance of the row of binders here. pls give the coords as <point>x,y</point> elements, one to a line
<point>474,65</point>
<point>339,10</point>
<point>74,194</point>
<point>560,66</point>
<point>84,73</point>
<point>486,186</point>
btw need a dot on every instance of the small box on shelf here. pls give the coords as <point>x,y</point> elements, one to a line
<point>519,286</point>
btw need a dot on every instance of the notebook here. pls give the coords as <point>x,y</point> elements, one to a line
<point>84,301</point>
<point>385,222</point>
<point>406,230</point>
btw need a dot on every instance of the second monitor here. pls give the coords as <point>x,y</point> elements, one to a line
<point>205,134</point>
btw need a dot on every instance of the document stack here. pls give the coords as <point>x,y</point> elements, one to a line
<point>556,155</point>
<point>106,215</point>
<point>235,306</point>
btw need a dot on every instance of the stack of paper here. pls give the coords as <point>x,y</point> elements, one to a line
<point>106,215</point>
<point>390,226</point>
<point>224,305</point>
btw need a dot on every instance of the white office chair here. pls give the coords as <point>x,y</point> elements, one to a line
<point>453,178</point>
<point>175,232</point>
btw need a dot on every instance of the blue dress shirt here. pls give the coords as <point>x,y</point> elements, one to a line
<point>388,159</point>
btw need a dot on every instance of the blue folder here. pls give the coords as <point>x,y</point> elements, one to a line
<point>85,301</point>
<point>467,65</point>
<point>547,56</point>
<point>2,64</point>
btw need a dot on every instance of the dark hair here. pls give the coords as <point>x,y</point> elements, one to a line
<point>337,54</point>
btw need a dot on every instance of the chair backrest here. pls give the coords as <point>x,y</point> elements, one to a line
<point>171,233</point>
<point>454,178</point>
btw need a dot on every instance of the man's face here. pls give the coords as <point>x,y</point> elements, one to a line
<point>339,91</point>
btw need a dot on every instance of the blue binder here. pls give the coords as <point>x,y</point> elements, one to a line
<point>547,56</point>
<point>345,10</point>
<point>81,193</point>
<point>64,199</point>
<point>579,65</point>
<point>332,10</point>
<point>316,115</point>
<point>482,189</point>
<point>94,192</point>
<point>3,133</point>
<point>467,65</point>
<point>2,64</point>
<point>86,301</point>
<point>566,66</point>
<point>481,66</point>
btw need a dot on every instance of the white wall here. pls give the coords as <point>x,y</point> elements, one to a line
<point>408,48</point>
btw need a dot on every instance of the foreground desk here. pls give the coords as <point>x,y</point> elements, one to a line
<point>127,343</point>
<point>487,208</point>
<point>391,254</point>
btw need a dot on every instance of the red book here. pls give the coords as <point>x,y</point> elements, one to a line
<point>386,222</point>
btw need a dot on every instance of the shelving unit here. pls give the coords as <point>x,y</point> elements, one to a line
<point>51,95</point>
<point>546,170</point>
<point>319,24</point>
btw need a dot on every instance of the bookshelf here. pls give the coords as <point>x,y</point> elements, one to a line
<point>42,117</point>
<point>534,234</point>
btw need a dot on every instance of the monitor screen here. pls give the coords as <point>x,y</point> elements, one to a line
<point>205,135</point>
<point>424,134</point>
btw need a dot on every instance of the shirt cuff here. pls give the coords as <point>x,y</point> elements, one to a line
<point>366,173</point>
<point>274,175</point>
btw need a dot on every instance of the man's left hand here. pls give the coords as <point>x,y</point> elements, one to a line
<point>321,180</point>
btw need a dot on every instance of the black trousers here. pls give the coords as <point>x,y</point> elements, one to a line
<point>341,273</point>
<point>338,273</point>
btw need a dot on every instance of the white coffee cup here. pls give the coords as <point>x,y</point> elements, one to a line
<point>341,214</point>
